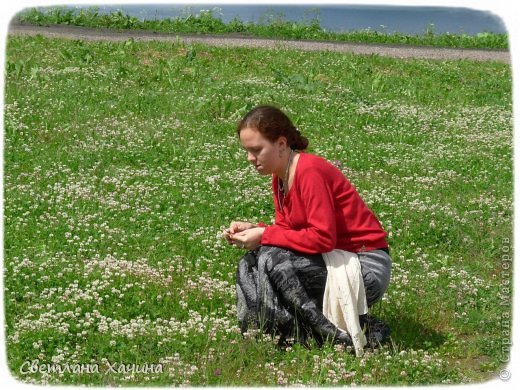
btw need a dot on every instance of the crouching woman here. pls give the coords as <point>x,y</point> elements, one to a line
<point>282,278</point>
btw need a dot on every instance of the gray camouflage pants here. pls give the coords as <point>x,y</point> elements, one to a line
<point>280,291</point>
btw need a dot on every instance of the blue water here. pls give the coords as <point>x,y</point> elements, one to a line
<point>337,17</point>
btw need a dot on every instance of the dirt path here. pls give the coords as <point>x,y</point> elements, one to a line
<point>73,32</point>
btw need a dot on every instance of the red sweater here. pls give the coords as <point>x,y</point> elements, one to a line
<point>322,212</point>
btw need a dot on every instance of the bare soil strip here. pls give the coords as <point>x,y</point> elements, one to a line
<point>75,32</point>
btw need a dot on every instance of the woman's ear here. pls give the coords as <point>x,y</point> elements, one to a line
<point>282,143</point>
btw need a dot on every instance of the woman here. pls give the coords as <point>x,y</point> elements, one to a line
<point>281,280</point>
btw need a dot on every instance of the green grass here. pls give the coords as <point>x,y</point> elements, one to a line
<point>271,25</point>
<point>122,166</point>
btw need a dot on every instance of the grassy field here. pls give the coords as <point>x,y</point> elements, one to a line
<point>271,25</point>
<point>122,167</point>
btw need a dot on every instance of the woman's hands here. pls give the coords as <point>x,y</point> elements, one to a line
<point>244,235</point>
<point>237,226</point>
<point>249,239</point>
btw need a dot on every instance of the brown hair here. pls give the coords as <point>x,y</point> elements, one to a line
<point>272,123</point>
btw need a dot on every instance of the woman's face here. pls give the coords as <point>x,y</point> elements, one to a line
<point>262,153</point>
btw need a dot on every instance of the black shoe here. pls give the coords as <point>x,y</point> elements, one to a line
<point>376,331</point>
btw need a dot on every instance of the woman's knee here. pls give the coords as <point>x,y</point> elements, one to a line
<point>275,258</point>
<point>376,271</point>
<point>248,261</point>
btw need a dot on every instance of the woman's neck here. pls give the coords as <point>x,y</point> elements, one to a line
<point>283,164</point>
<point>288,179</point>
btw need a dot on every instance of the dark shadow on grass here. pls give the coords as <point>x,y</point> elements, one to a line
<point>408,333</point>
